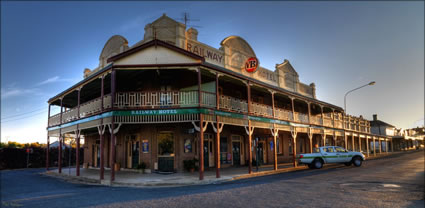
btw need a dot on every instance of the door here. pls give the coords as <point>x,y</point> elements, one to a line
<point>260,152</point>
<point>330,155</point>
<point>236,150</point>
<point>135,154</point>
<point>166,152</point>
<point>343,155</point>
<point>206,153</point>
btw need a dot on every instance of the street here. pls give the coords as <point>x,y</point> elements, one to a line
<point>396,181</point>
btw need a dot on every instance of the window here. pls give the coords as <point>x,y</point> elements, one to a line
<point>339,149</point>
<point>328,149</point>
<point>290,146</point>
<point>187,146</point>
<point>279,145</point>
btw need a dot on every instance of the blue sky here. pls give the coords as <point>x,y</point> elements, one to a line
<point>45,47</point>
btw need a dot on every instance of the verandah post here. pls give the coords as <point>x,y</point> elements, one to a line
<point>101,131</point>
<point>217,138</point>
<point>249,129</point>
<point>48,139</point>
<point>60,141</point>
<point>201,128</point>
<point>113,89</point>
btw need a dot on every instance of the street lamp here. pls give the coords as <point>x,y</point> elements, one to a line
<point>345,97</point>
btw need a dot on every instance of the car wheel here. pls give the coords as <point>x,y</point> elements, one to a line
<point>317,163</point>
<point>357,161</point>
<point>347,164</point>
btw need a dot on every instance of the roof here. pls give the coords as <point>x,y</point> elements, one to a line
<point>380,123</point>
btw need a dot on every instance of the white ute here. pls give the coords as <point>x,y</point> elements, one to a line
<point>330,154</point>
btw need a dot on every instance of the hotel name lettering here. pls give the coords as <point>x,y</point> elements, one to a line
<point>153,112</point>
<point>205,52</point>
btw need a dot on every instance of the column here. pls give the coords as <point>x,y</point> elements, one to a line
<point>352,142</point>
<point>112,129</point>
<point>360,143</point>
<point>77,153</point>
<point>249,129</point>
<point>201,128</point>
<point>60,152</point>
<point>380,146</point>
<point>367,146</point>
<point>294,147</point>
<point>374,146</point>
<point>323,139</point>
<point>102,167</point>
<point>60,141</point>
<point>392,145</point>
<point>48,139</point>
<point>345,141</point>
<point>217,138</point>
<point>275,133</point>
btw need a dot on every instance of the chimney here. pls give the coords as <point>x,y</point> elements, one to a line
<point>375,117</point>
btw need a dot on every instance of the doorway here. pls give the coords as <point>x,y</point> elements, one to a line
<point>166,152</point>
<point>236,151</point>
<point>133,151</point>
<point>208,150</point>
<point>261,152</point>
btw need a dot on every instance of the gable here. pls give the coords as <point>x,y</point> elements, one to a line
<point>156,55</point>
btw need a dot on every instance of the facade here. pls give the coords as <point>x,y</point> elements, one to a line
<point>171,98</point>
<point>406,139</point>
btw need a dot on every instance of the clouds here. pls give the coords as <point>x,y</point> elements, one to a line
<point>53,80</point>
<point>13,91</point>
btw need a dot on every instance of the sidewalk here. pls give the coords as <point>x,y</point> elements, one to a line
<point>136,179</point>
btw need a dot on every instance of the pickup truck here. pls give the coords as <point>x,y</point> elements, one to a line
<point>330,154</point>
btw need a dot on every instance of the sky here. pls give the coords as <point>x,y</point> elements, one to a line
<point>45,46</point>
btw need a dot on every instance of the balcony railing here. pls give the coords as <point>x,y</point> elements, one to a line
<point>327,121</point>
<point>283,114</point>
<point>261,109</point>
<point>301,117</point>
<point>233,104</point>
<point>176,99</point>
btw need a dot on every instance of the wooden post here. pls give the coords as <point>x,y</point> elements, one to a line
<point>77,152</point>
<point>249,129</point>
<point>360,143</point>
<point>374,146</point>
<point>102,130</point>
<point>201,127</point>
<point>345,141</point>
<point>367,146</point>
<point>60,141</point>
<point>352,142</point>
<point>392,145</point>
<point>48,139</point>
<point>275,133</point>
<point>294,146</point>
<point>113,89</point>
<point>380,145</point>
<point>60,153</point>
<point>217,138</point>
<point>293,109</point>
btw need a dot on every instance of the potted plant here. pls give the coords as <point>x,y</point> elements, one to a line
<point>142,166</point>
<point>190,165</point>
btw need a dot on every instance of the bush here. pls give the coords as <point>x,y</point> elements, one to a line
<point>190,164</point>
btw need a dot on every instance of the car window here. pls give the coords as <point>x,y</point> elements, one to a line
<point>339,149</point>
<point>316,150</point>
<point>328,149</point>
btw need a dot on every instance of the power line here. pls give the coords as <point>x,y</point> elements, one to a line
<point>24,117</point>
<point>23,113</point>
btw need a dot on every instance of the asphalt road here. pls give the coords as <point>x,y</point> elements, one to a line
<point>387,182</point>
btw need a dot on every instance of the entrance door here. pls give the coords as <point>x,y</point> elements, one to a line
<point>134,154</point>
<point>96,155</point>
<point>206,153</point>
<point>236,150</point>
<point>166,152</point>
<point>260,152</point>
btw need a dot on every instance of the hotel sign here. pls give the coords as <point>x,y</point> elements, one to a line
<point>251,65</point>
<point>210,54</point>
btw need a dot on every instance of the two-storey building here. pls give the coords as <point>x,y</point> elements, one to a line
<point>170,98</point>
